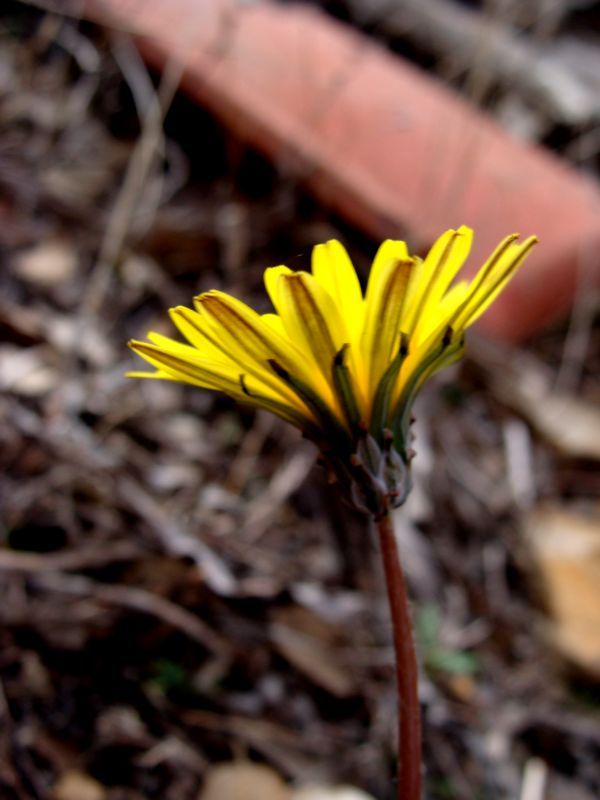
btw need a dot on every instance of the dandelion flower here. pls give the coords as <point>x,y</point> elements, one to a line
<point>345,368</point>
<point>342,366</point>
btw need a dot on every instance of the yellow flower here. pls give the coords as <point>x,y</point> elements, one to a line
<point>342,367</point>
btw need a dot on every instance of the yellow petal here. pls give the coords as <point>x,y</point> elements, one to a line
<point>389,251</point>
<point>308,367</point>
<point>271,279</point>
<point>492,278</point>
<point>194,369</point>
<point>499,257</point>
<point>190,352</point>
<point>444,260</point>
<point>333,270</point>
<point>243,336</point>
<point>192,326</point>
<point>239,332</point>
<point>172,345</point>
<point>442,314</point>
<point>275,322</point>
<point>386,295</point>
<point>311,318</point>
<point>158,375</point>
<point>188,367</point>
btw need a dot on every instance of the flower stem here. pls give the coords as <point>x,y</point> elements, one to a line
<point>409,712</point>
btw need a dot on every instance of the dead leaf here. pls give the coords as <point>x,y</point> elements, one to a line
<point>284,747</point>
<point>565,546</point>
<point>36,678</point>
<point>68,335</point>
<point>308,643</point>
<point>244,780</point>
<point>75,785</point>
<point>25,371</point>
<point>139,272</point>
<point>50,263</point>
<point>330,793</point>
<point>122,725</point>
<point>522,382</point>
<point>570,424</point>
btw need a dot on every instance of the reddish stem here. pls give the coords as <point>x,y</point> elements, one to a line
<point>407,674</point>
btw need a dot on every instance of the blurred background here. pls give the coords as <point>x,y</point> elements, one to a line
<point>180,587</point>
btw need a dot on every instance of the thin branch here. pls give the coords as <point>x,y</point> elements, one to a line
<point>46,575</point>
<point>85,558</point>
<point>143,158</point>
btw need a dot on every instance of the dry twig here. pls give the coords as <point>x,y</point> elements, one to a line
<point>133,598</point>
<point>534,780</point>
<point>175,540</point>
<point>142,160</point>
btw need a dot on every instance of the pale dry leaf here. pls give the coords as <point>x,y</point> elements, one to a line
<point>35,676</point>
<point>76,785</point>
<point>25,321</point>
<point>173,475</point>
<point>26,372</point>
<point>570,424</point>
<point>122,725</point>
<point>244,780</point>
<point>69,336</point>
<point>565,547</point>
<point>140,272</point>
<point>308,643</point>
<point>330,793</point>
<point>335,606</point>
<point>50,263</point>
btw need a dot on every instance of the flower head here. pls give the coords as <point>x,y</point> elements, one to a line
<point>342,366</point>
